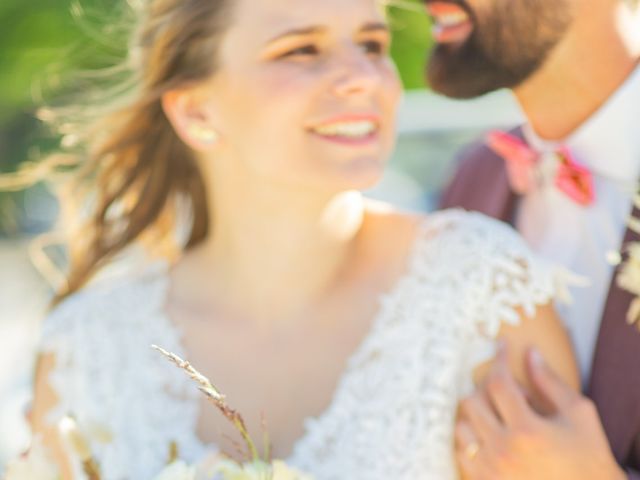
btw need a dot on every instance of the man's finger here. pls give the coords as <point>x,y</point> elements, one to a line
<point>507,398</point>
<point>479,414</point>
<point>549,385</point>
<point>503,391</point>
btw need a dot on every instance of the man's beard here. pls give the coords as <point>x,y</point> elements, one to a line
<point>508,44</point>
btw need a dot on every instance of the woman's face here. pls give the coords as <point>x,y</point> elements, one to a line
<point>305,93</point>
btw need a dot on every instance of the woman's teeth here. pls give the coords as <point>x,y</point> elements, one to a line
<point>347,129</point>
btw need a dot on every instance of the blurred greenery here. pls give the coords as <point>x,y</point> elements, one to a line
<point>411,40</point>
<point>43,40</point>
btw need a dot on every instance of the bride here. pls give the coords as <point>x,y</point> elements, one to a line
<point>225,223</point>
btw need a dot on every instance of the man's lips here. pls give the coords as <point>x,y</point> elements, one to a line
<point>452,23</point>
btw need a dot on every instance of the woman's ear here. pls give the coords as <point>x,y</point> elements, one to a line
<point>190,119</point>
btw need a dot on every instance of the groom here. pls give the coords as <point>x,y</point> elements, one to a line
<point>566,181</point>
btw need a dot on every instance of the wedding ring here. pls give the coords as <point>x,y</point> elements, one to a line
<point>471,450</point>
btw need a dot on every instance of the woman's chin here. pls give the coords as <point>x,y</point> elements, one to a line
<point>362,174</point>
<point>337,177</point>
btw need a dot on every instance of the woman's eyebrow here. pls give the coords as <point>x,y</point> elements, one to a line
<point>374,27</point>
<point>297,32</point>
<point>316,30</point>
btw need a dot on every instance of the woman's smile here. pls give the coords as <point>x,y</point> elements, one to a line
<point>351,130</point>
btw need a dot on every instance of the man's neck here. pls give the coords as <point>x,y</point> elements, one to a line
<point>583,72</point>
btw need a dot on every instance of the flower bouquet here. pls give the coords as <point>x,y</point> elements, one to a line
<point>36,464</point>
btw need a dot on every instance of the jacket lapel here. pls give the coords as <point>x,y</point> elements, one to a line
<point>615,385</point>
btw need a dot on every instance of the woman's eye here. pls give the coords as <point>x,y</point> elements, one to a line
<point>374,47</point>
<point>306,51</point>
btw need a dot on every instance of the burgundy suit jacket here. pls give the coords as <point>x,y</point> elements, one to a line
<point>481,184</point>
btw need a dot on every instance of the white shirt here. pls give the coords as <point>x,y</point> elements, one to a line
<point>581,238</point>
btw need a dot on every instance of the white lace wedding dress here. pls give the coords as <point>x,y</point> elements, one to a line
<point>392,414</point>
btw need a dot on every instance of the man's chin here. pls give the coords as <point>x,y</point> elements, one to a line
<point>466,76</point>
<point>458,83</point>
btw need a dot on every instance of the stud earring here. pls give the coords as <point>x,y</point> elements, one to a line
<point>203,134</point>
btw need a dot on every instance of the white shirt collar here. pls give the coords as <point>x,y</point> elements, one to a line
<point>609,141</point>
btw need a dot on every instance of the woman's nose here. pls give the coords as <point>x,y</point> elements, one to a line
<point>358,74</point>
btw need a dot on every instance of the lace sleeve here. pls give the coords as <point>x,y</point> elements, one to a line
<point>511,278</point>
<point>504,279</point>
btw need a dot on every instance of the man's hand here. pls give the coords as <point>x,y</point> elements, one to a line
<point>499,436</point>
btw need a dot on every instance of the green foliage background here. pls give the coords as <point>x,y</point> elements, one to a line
<point>43,40</point>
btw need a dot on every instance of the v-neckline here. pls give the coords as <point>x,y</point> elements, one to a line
<point>424,234</point>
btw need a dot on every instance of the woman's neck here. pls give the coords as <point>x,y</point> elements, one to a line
<point>272,252</point>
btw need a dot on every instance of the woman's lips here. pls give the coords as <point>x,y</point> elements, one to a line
<point>348,130</point>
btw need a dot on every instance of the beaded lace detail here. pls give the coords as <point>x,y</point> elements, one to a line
<point>393,411</point>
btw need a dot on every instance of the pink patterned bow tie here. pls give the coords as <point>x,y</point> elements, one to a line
<point>572,178</point>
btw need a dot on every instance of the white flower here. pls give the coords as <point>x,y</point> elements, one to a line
<point>281,471</point>
<point>35,465</point>
<point>629,276</point>
<point>231,470</point>
<point>177,470</point>
<point>278,470</point>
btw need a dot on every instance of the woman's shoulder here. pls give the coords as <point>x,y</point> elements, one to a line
<point>453,228</point>
<point>469,229</point>
<point>466,248</point>
<point>459,221</point>
<point>493,262</point>
<point>386,222</point>
<point>473,252</point>
<point>481,246</point>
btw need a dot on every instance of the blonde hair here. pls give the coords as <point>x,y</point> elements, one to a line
<point>132,169</point>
